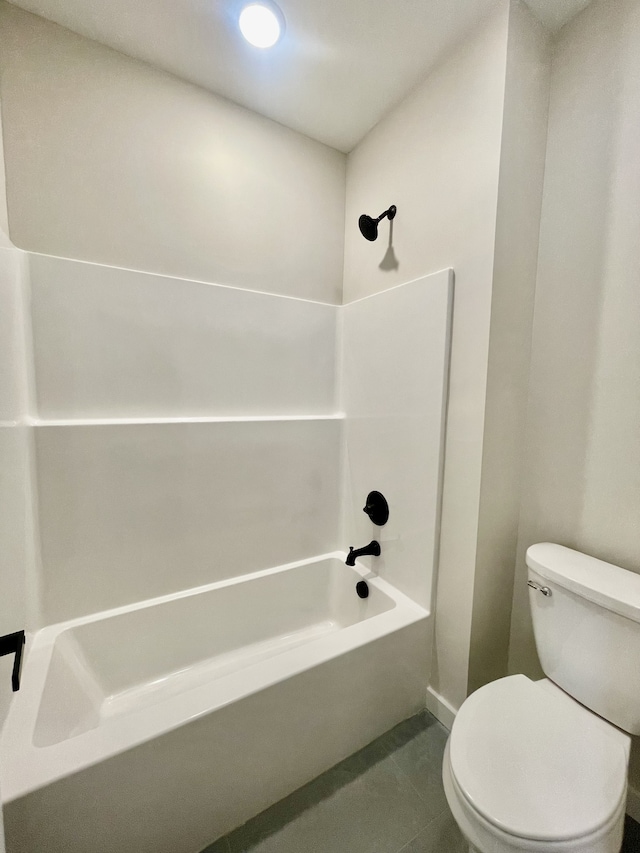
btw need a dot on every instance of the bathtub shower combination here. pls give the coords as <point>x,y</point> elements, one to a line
<point>200,456</point>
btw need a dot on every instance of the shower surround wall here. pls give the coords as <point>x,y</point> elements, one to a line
<point>185,433</point>
<point>395,358</point>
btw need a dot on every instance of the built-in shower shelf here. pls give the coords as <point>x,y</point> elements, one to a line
<point>38,422</point>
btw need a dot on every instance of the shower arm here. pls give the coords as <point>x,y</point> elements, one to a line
<point>391,212</point>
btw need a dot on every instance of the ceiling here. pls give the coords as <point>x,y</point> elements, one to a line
<point>340,67</point>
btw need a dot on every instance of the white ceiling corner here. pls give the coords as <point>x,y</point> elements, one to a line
<point>554,14</point>
<point>341,66</point>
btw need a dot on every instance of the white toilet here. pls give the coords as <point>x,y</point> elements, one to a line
<point>542,765</point>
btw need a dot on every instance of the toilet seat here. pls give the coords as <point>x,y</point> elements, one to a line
<point>485,837</point>
<point>535,764</point>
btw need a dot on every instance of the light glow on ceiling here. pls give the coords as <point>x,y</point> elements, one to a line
<point>261,24</point>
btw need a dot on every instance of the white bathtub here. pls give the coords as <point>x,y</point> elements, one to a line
<point>159,727</point>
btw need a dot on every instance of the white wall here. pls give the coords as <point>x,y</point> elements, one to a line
<point>524,137</point>
<point>395,368</point>
<point>581,484</point>
<point>129,512</point>
<point>437,157</point>
<point>110,160</point>
<point>114,343</point>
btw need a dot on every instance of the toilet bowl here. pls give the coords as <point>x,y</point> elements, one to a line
<point>527,767</point>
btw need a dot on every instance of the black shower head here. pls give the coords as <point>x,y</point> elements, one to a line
<point>369,227</point>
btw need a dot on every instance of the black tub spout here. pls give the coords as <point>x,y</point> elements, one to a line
<point>370,550</point>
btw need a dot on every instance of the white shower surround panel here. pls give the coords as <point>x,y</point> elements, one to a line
<point>12,402</point>
<point>167,499</point>
<point>160,727</point>
<point>131,511</point>
<point>117,343</point>
<point>394,387</point>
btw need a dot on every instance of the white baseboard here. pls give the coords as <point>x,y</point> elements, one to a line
<point>633,803</point>
<point>440,708</point>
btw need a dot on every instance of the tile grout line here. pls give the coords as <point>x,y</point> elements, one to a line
<point>391,753</point>
<point>426,826</point>
<point>421,797</point>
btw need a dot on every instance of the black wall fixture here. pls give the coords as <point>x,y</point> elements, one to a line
<point>369,227</point>
<point>362,588</point>
<point>377,508</point>
<point>13,644</point>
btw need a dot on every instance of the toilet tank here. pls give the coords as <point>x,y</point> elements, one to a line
<point>587,630</point>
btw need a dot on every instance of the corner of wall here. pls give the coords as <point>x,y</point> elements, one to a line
<point>519,206</point>
<point>436,156</point>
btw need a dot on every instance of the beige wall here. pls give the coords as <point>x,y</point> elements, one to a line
<point>524,137</point>
<point>581,483</point>
<point>110,160</point>
<point>437,157</point>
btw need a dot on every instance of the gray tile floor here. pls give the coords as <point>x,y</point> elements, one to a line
<point>386,798</point>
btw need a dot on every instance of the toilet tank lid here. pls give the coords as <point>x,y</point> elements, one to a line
<point>612,587</point>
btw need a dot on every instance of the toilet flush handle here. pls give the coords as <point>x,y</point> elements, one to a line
<point>543,589</point>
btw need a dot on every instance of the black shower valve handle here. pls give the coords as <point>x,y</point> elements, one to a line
<point>377,508</point>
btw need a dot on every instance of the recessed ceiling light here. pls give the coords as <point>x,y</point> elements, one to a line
<point>261,24</point>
